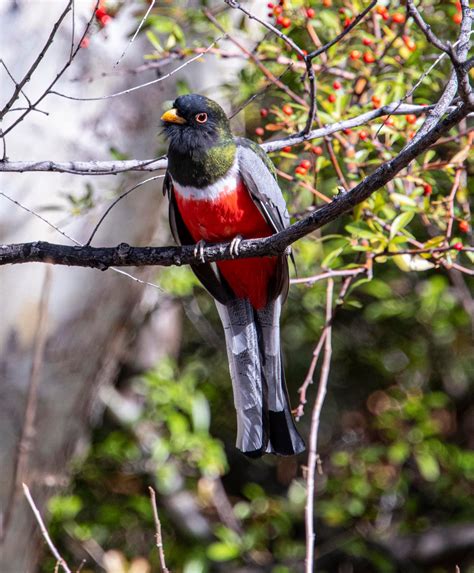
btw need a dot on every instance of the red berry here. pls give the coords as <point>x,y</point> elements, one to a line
<point>411,118</point>
<point>427,189</point>
<point>270,5</point>
<point>381,9</point>
<point>458,246</point>
<point>385,16</point>
<point>306,164</point>
<point>100,13</point>
<point>369,58</point>
<point>310,12</point>
<point>458,6</point>
<point>342,10</point>
<point>264,112</point>
<point>376,101</point>
<point>85,42</point>
<point>105,20</point>
<point>337,85</point>
<point>277,10</point>
<point>327,3</point>
<point>389,122</point>
<point>457,18</point>
<point>279,20</point>
<point>367,41</point>
<point>300,170</point>
<point>347,22</point>
<point>398,18</point>
<point>259,131</point>
<point>363,135</point>
<point>287,149</point>
<point>409,43</point>
<point>300,58</point>
<point>354,55</point>
<point>463,226</point>
<point>347,131</point>
<point>287,109</point>
<point>317,150</point>
<point>332,98</point>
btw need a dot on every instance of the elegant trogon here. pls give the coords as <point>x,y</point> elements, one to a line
<point>224,188</point>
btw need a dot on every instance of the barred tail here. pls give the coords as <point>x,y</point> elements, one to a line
<point>264,420</point>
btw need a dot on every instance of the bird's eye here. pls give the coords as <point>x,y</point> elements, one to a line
<point>201,117</point>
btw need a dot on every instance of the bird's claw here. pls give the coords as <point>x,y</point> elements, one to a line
<point>235,246</point>
<point>199,251</point>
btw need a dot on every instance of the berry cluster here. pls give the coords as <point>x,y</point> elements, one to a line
<point>277,11</point>
<point>102,14</point>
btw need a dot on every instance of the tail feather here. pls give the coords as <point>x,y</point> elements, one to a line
<point>264,420</point>
<point>284,438</point>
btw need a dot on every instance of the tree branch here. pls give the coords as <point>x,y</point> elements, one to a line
<point>116,167</point>
<point>125,255</point>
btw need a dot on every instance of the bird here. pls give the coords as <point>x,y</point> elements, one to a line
<point>224,188</point>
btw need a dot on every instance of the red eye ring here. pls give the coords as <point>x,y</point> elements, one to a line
<point>201,117</point>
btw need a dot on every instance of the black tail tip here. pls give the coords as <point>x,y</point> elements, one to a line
<point>283,437</point>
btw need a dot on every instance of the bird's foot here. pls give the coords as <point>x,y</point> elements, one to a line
<point>235,246</point>
<point>199,251</point>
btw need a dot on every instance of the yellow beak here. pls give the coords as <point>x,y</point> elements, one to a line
<point>172,116</point>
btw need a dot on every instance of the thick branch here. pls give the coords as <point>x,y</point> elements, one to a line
<point>124,255</point>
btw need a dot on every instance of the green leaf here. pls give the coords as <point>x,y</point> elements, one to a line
<point>223,551</point>
<point>330,257</point>
<point>427,465</point>
<point>401,222</point>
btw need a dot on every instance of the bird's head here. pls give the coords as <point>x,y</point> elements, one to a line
<point>195,123</point>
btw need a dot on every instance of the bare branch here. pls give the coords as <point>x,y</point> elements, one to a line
<point>426,28</point>
<point>139,27</point>
<point>115,167</point>
<point>26,78</point>
<point>117,200</point>
<point>58,75</point>
<point>44,531</point>
<point>141,86</point>
<point>313,438</point>
<point>268,25</point>
<point>159,540</point>
<point>85,167</point>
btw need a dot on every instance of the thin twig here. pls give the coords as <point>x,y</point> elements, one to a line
<point>265,71</point>
<point>59,75</point>
<point>313,437</point>
<point>26,78</point>
<point>117,200</point>
<point>328,275</point>
<point>159,540</point>
<point>44,531</point>
<point>132,39</point>
<point>141,86</point>
<point>76,242</point>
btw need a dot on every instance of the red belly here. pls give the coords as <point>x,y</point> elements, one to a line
<point>221,220</point>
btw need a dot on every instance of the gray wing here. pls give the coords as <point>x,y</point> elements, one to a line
<point>259,177</point>
<point>207,273</point>
<point>258,174</point>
